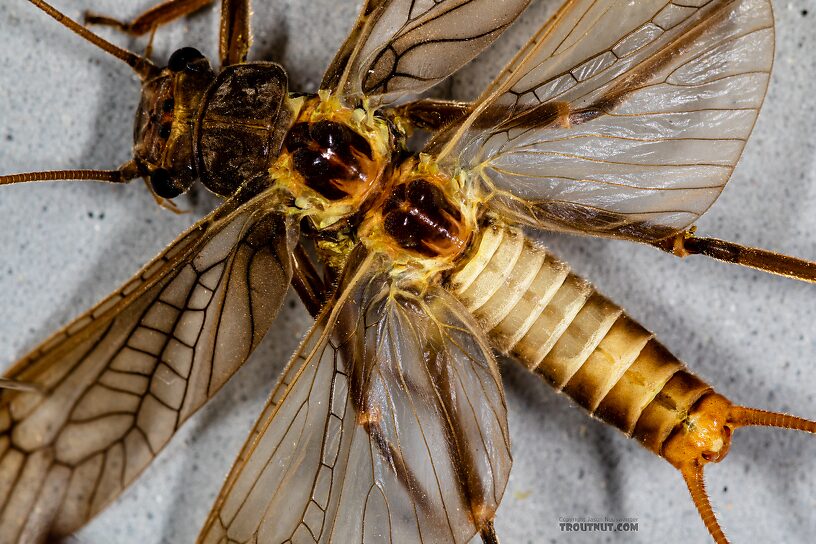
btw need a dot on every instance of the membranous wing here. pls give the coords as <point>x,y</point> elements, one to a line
<point>393,428</point>
<point>401,47</point>
<point>114,385</point>
<point>621,118</point>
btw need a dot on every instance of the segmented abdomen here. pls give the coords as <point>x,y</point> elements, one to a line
<point>559,326</point>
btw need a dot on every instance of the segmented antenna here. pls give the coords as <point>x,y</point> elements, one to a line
<point>141,65</point>
<point>123,174</point>
<point>742,416</point>
<point>693,475</point>
<point>691,465</point>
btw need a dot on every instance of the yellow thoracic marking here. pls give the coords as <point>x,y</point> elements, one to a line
<point>557,325</point>
<point>325,213</point>
<point>413,265</point>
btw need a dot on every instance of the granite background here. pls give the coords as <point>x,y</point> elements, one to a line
<point>63,246</point>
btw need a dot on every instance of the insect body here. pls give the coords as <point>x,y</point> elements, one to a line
<point>388,296</point>
<point>193,124</point>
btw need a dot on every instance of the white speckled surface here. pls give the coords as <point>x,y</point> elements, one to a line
<point>64,104</point>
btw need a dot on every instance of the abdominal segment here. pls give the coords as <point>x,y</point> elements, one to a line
<point>557,325</point>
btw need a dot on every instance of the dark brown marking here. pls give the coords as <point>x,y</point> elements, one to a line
<point>332,158</point>
<point>420,217</point>
<point>240,126</point>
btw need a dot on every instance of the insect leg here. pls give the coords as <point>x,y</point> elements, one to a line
<point>466,466</point>
<point>686,243</point>
<point>307,281</point>
<point>433,114</point>
<point>408,479</point>
<point>162,202</point>
<point>235,38</point>
<point>488,534</point>
<point>158,15</point>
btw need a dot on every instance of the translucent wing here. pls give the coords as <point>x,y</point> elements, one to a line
<point>400,47</point>
<point>362,26</point>
<point>118,381</point>
<point>393,428</point>
<point>621,118</point>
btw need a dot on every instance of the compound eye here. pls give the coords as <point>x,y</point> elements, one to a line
<point>164,185</point>
<point>185,59</point>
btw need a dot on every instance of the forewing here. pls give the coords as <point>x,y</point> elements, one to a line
<point>402,47</point>
<point>622,118</point>
<point>393,428</point>
<point>118,381</point>
<point>369,11</point>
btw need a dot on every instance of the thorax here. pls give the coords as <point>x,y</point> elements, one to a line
<point>351,176</point>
